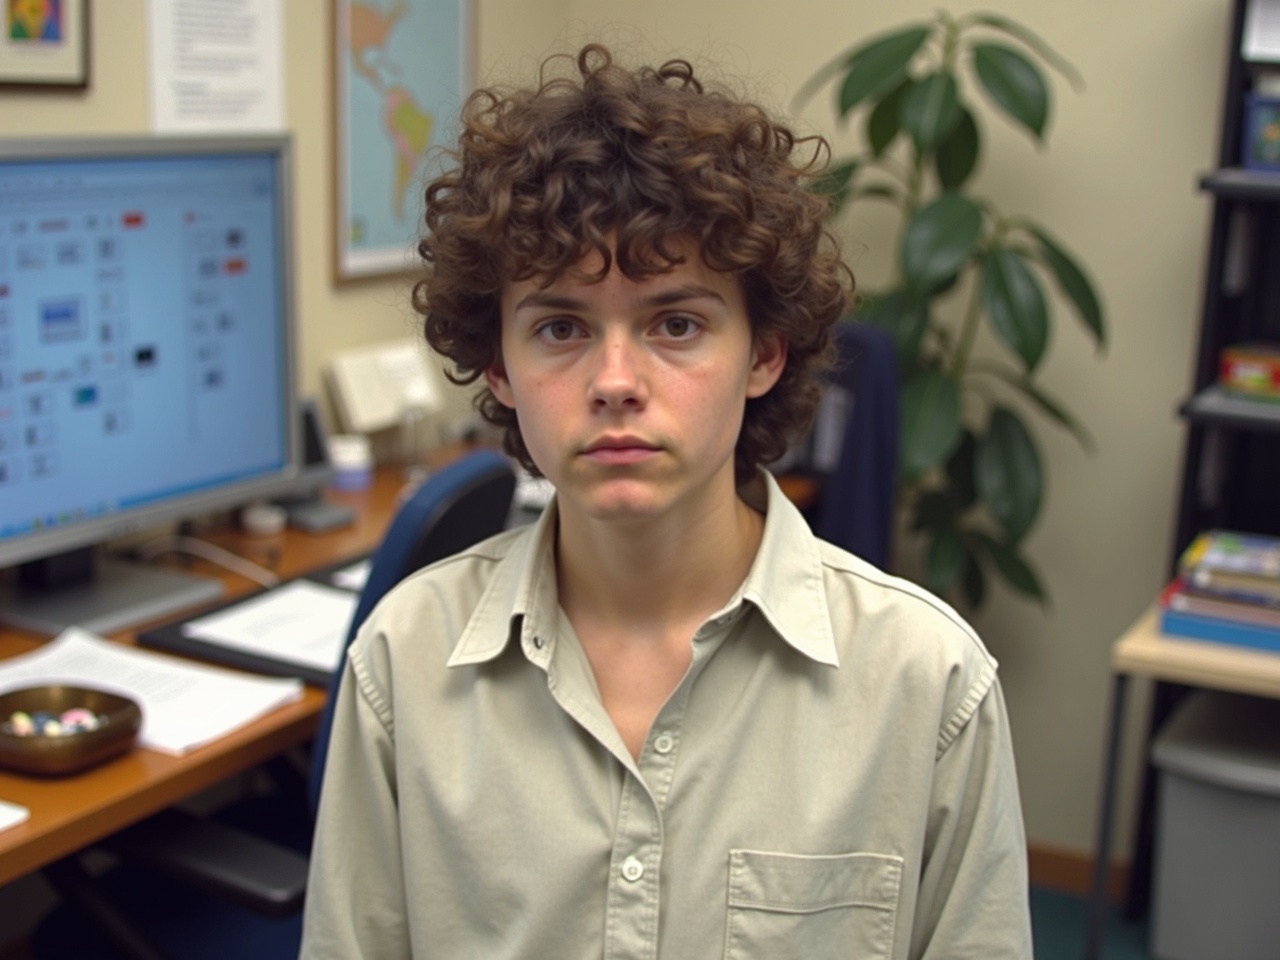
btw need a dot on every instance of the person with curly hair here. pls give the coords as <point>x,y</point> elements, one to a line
<point>665,720</point>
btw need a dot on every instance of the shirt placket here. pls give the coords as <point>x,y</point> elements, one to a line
<point>634,897</point>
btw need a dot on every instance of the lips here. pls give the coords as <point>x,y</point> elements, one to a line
<point>619,450</point>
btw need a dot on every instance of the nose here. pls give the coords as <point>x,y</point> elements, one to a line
<point>618,380</point>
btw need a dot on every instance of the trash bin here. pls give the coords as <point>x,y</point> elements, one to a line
<point>1217,862</point>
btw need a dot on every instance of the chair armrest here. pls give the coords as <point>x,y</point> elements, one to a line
<point>217,859</point>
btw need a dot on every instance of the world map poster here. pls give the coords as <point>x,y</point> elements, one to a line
<point>402,69</point>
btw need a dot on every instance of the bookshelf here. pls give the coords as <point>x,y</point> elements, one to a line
<point>1214,407</point>
<point>1230,475</point>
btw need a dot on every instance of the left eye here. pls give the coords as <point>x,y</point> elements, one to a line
<point>679,327</point>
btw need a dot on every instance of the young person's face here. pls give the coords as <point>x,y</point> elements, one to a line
<point>630,395</point>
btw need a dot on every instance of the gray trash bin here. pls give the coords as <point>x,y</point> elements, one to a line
<point>1217,866</point>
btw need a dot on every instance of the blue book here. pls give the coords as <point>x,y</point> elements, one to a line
<point>1180,624</point>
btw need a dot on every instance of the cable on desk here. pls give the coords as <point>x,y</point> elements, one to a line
<point>212,553</point>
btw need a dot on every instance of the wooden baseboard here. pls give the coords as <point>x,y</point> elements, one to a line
<point>1070,871</point>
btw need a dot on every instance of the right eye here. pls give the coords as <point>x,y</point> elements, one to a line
<point>558,330</point>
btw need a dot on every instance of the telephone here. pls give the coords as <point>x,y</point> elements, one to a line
<point>374,386</point>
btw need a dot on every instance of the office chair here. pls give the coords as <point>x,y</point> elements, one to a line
<point>189,888</point>
<point>850,496</point>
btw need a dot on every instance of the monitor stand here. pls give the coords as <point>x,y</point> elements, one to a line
<point>102,597</point>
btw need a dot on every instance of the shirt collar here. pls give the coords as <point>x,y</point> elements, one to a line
<point>785,583</point>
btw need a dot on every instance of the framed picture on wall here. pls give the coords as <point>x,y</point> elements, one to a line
<point>45,44</point>
<point>401,69</point>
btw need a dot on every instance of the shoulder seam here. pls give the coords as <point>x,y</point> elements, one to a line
<point>982,683</point>
<point>908,589</point>
<point>369,691</point>
<point>965,711</point>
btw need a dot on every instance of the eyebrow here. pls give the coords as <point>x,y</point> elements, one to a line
<point>664,298</point>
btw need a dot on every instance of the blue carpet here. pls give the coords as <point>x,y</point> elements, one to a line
<point>1058,922</point>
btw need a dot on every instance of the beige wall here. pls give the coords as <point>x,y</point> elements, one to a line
<point>1117,183</point>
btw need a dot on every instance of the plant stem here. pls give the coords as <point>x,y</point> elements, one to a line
<point>968,331</point>
<point>950,42</point>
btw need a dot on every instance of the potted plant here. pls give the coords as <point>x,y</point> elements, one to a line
<point>972,479</point>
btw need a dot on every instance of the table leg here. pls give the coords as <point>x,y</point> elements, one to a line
<point>81,890</point>
<point>1099,896</point>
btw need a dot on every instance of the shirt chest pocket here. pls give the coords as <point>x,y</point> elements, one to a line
<point>811,907</point>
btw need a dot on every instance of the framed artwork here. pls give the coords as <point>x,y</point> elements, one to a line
<point>401,69</point>
<point>45,44</point>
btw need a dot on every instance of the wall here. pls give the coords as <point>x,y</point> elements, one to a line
<point>1116,183</point>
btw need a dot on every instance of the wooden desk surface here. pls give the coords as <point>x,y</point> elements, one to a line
<point>1144,651</point>
<point>70,813</point>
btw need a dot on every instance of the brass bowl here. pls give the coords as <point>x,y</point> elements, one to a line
<point>69,753</point>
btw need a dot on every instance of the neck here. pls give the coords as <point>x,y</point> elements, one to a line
<point>654,573</point>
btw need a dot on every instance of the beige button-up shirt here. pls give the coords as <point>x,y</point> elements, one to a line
<point>832,778</point>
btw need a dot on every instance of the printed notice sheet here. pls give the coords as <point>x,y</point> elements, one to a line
<point>301,623</point>
<point>216,67</point>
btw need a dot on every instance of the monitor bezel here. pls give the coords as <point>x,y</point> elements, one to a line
<point>96,531</point>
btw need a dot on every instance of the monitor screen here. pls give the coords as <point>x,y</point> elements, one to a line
<point>146,366</point>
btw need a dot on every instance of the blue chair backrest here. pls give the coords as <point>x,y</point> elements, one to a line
<point>860,496</point>
<point>453,509</point>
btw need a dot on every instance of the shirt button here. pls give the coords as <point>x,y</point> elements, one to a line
<point>537,642</point>
<point>664,743</point>
<point>632,869</point>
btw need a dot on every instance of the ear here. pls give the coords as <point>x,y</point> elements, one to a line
<point>496,378</point>
<point>768,360</point>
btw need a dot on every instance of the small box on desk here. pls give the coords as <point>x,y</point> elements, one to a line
<point>1251,370</point>
<point>1217,865</point>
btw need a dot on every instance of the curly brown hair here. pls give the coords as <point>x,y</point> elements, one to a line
<point>623,162</point>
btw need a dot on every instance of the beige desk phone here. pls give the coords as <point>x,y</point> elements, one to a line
<point>373,386</point>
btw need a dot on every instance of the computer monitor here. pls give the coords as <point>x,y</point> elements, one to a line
<point>146,359</point>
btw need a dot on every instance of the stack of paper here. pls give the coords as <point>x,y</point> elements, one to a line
<point>184,704</point>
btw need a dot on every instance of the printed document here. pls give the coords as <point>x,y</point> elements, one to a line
<point>301,623</point>
<point>184,704</point>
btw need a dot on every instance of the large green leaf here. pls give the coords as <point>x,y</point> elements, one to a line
<point>933,510</point>
<point>939,239</point>
<point>877,66</point>
<point>974,582</point>
<point>964,491</point>
<point>1008,473</point>
<point>1015,303</point>
<point>930,421</point>
<point>1074,283</point>
<point>1032,40</point>
<point>904,316</point>
<point>1047,404</point>
<point>931,109</point>
<point>1012,566</point>
<point>944,560</point>
<point>1014,83</point>
<point>957,155</point>
<point>884,122</point>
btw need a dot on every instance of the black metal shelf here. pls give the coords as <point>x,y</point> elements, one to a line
<point>1215,406</point>
<point>1237,183</point>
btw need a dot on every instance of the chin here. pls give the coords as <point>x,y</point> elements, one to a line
<point>618,500</point>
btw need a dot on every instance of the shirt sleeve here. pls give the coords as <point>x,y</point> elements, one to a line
<point>973,898</point>
<point>355,904</point>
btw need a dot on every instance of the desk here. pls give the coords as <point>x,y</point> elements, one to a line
<point>1143,651</point>
<point>71,813</point>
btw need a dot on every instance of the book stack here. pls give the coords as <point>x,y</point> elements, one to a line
<point>1227,591</point>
